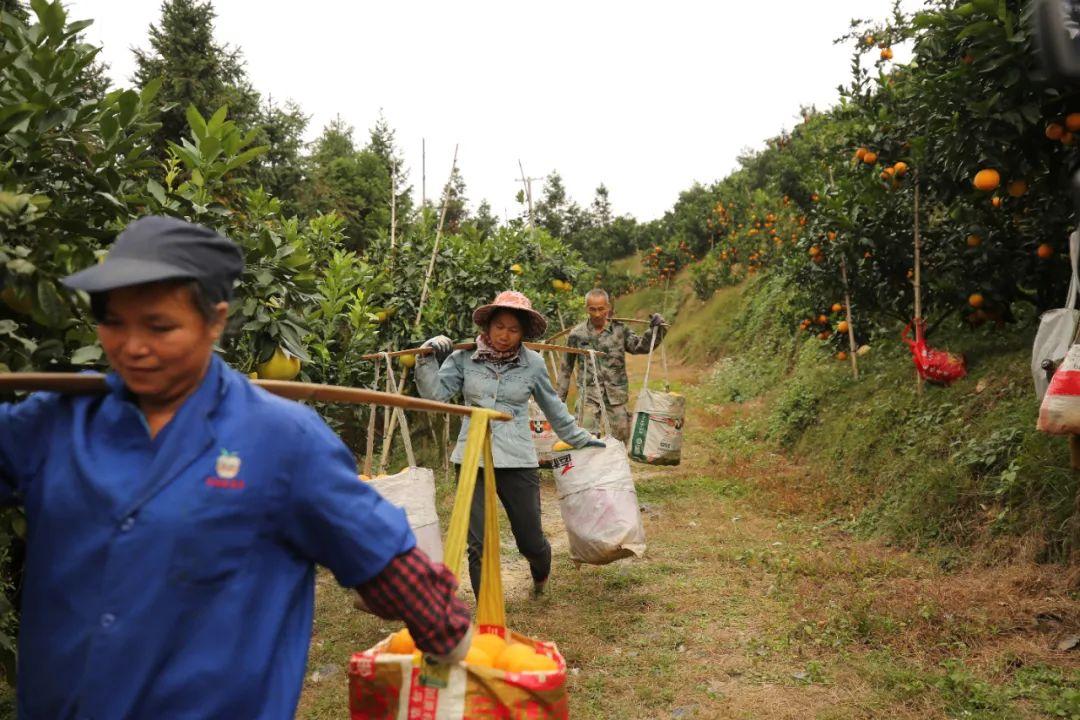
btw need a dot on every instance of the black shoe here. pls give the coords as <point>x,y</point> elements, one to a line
<point>538,588</point>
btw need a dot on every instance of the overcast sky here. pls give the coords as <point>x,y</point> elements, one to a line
<point>643,97</point>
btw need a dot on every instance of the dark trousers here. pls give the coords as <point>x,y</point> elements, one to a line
<point>519,491</point>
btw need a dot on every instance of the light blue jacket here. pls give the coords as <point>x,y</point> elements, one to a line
<point>506,388</point>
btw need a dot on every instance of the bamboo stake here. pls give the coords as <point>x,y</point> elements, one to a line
<point>94,384</point>
<point>850,322</point>
<point>438,237</point>
<point>539,347</point>
<point>917,280</point>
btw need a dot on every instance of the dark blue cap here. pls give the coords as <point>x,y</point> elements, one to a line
<point>155,249</point>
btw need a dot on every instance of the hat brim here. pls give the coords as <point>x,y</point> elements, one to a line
<point>537,322</point>
<point>117,273</point>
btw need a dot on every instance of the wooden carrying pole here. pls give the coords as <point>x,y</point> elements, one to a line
<point>90,384</point>
<point>638,321</point>
<point>539,347</point>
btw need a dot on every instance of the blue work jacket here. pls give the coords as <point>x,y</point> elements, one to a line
<point>174,577</point>
<point>506,388</point>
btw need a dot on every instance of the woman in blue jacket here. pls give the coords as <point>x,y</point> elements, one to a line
<point>174,522</point>
<point>502,374</point>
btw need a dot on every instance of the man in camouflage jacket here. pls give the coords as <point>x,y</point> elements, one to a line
<point>602,333</point>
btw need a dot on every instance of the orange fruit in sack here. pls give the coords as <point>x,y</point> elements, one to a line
<point>490,643</point>
<point>401,643</point>
<point>512,657</point>
<point>537,662</point>
<point>478,657</point>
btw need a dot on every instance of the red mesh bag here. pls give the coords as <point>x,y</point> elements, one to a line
<point>936,366</point>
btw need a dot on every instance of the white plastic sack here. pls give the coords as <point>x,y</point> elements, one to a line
<point>543,436</point>
<point>656,436</point>
<point>413,490</point>
<point>599,503</point>
<point>1057,328</point>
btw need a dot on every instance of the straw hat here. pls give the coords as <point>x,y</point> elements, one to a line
<point>512,300</point>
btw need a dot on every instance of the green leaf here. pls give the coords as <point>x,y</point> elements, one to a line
<point>216,121</point>
<point>156,190</point>
<point>195,122</point>
<point>86,355</point>
<point>49,303</point>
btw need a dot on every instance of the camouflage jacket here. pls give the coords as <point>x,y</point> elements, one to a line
<point>615,339</point>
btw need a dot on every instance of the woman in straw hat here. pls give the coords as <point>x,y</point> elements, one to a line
<point>503,374</point>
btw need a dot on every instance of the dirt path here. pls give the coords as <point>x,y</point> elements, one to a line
<point>744,607</point>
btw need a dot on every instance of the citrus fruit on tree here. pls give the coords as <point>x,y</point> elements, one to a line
<point>858,154</point>
<point>18,302</point>
<point>996,201</point>
<point>1045,251</point>
<point>900,168</point>
<point>870,157</point>
<point>516,269</point>
<point>1017,188</point>
<point>1072,122</point>
<point>842,326</point>
<point>837,307</point>
<point>556,284</point>
<point>1054,131</point>
<point>987,180</point>
<point>841,355</point>
<point>974,241</point>
<point>282,365</point>
<point>1068,139</point>
<point>976,300</point>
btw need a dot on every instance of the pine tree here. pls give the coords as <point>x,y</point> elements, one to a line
<point>194,69</point>
<point>280,171</point>
<point>15,8</point>
<point>381,143</point>
<point>601,207</point>
<point>454,198</point>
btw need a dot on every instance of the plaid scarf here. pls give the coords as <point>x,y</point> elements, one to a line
<point>485,352</point>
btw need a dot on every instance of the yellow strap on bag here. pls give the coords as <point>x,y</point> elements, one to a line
<point>490,607</point>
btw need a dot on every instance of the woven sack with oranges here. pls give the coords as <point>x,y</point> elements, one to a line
<point>505,675</point>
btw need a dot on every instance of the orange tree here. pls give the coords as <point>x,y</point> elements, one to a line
<point>970,100</point>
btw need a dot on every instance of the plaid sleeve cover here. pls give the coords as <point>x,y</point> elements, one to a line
<point>423,594</point>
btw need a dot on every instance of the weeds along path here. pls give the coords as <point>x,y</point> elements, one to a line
<point>745,608</point>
